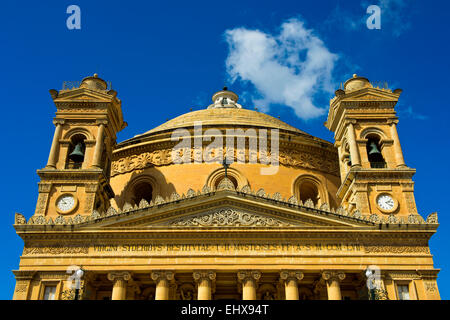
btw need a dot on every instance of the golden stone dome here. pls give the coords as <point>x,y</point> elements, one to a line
<point>224,111</point>
<point>225,116</point>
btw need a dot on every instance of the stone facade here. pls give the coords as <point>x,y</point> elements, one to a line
<point>143,226</point>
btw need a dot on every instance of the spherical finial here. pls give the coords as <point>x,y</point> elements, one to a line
<point>95,75</point>
<point>355,75</point>
<point>225,88</point>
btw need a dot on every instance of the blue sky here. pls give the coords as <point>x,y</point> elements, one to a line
<point>166,57</point>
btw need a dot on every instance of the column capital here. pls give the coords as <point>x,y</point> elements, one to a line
<point>101,121</point>
<point>200,275</point>
<point>119,275</point>
<point>288,275</point>
<point>159,275</point>
<point>245,275</point>
<point>350,121</point>
<point>58,121</point>
<point>392,121</point>
<point>333,275</point>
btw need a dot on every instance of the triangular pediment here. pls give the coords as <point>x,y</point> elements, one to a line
<point>225,210</point>
<point>371,94</point>
<point>83,94</point>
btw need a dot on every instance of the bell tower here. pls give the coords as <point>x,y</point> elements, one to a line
<point>374,176</point>
<point>76,177</point>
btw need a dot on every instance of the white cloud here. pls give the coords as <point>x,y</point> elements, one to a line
<point>290,68</point>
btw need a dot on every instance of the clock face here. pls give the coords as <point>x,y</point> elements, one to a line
<point>66,203</point>
<point>385,202</point>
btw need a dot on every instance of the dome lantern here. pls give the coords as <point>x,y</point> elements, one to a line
<point>225,99</point>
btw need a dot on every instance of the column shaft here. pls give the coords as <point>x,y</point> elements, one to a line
<point>249,289</point>
<point>354,152</point>
<point>334,289</point>
<point>162,290</point>
<point>291,289</point>
<point>51,163</point>
<point>119,291</point>
<point>204,289</point>
<point>98,146</point>
<point>397,147</point>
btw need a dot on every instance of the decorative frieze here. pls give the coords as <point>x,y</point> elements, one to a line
<point>287,157</point>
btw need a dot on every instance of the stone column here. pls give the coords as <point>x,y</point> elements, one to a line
<point>397,147</point>
<point>204,280</point>
<point>120,279</point>
<point>333,279</point>
<point>249,280</point>
<point>51,163</point>
<point>162,279</point>
<point>290,279</point>
<point>354,152</point>
<point>98,146</point>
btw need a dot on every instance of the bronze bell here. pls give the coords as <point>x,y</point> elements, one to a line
<point>373,148</point>
<point>77,155</point>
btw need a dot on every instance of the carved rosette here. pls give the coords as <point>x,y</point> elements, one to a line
<point>331,276</point>
<point>291,275</point>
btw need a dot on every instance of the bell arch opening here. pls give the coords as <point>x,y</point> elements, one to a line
<point>76,152</point>
<point>374,155</point>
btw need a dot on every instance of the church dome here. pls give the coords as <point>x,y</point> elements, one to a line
<point>224,116</point>
<point>224,111</point>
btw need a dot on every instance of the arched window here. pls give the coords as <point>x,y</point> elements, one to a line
<point>309,187</point>
<point>237,178</point>
<point>142,190</point>
<point>76,151</point>
<point>374,154</point>
<point>309,190</point>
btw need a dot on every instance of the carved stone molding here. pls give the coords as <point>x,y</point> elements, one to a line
<point>414,249</point>
<point>291,157</point>
<point>228,217</point>
<point>403,275</point>
<point>19,219</point>
<point>56,249</point>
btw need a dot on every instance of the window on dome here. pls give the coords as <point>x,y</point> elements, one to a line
<point>308,190</point>
<point>142,190</point>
